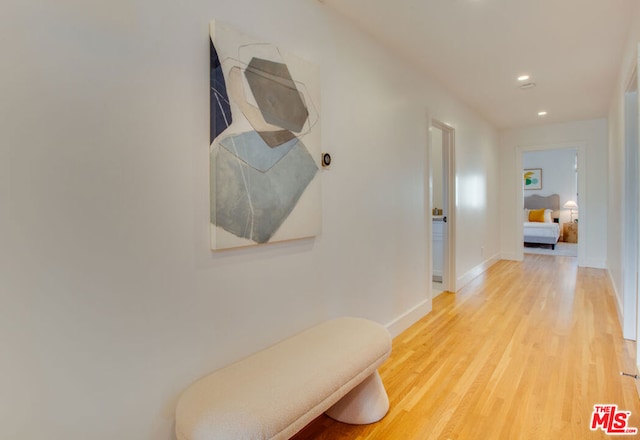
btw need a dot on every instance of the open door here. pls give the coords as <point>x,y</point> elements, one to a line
<point>441,206</point>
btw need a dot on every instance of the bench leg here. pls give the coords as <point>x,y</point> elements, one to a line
<point>366,403</point>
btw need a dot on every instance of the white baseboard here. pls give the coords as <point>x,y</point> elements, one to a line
<point>511,256</point>
<point>408,318</point>
<point>414,314</point>
<point>474,272</point>
<point>616,296</point>
<point>594,263</point>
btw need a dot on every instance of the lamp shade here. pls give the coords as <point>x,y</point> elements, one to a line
<point>570,205</point>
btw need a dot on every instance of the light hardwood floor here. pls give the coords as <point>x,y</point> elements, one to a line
<point>522,352</point>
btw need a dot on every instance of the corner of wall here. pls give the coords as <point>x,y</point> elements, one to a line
<point>475,271</point>
<point>617,297</point>
<point>407,319</point>
<point>595,263</point>
<point>511,256</point>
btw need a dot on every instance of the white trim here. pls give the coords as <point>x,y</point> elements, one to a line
<point>511,256</point>
<point>581,148</point>
<point>632,85</point>
<point>630,206</point>
<point>594,263</point>
<point>617,297</point>
<point>449,155</point>
<point>427,213</point>
<point>410,317</point>
<point>474,272</point>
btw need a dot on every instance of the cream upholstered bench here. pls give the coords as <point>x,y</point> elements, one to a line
<point>274,393</point>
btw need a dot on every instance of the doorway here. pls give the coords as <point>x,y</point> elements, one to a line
<point>566,214</point>
<point>552,173</point>
<point>441,203</point>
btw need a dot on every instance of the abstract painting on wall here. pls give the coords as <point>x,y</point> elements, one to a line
<point>532,178</point>
<point>264,142</point>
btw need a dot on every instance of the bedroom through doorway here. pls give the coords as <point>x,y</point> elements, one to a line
<point>551,200</point>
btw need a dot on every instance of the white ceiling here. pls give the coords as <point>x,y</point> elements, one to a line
<point>476,48</point>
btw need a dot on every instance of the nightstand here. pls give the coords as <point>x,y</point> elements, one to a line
<point>570,232</point>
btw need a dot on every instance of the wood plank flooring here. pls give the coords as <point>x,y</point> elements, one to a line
<point>522,352</point>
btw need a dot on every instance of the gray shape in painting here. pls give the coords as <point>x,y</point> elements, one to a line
<point>251,148</point>
<point>252,204</point>
<point>276,94</point>
<point>276,138</point>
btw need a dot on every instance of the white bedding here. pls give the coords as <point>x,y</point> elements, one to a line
<point>539,229</point>
<point>547,231</point>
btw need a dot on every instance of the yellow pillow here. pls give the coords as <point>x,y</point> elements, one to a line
<point>536,215</point>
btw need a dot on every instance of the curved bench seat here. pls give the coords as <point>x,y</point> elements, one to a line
<point>276,392</point>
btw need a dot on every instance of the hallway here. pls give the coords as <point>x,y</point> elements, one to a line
<point>523,352</point>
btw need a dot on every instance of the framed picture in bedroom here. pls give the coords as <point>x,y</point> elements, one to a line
<point>532,178</point>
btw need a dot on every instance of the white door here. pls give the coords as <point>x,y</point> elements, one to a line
<point>437,208</point>
<point>441,187</point>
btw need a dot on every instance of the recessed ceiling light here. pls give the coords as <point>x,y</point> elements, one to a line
<point>523,77</point>
<point>542,113</point>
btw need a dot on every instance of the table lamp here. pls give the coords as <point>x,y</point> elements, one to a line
<point>571,205</point>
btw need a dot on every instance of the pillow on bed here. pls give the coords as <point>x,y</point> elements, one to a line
<point>547,216</point>
<point>536,215</point>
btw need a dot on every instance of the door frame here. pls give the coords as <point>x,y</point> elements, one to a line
<point>449,191</point>
<point>581,150</point>
<point>630,209</point>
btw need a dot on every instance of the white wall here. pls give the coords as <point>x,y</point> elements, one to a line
<point>592,136</point>
<point>558,176</point>
<point>112,302</point>
<point>616,158</point>
<point>477,202</point>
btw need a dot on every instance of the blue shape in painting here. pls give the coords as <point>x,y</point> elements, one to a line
<point>251,204</point>
<point>254,151</point>
<point>220,112</point>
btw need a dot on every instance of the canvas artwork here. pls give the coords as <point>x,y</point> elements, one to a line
<point>532,178</point>
<point>264,142</point>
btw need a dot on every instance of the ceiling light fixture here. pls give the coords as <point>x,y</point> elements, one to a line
<point>523,77</point>
<point>527,85</point>
<point>542,113</point>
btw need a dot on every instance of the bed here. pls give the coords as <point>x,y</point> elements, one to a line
<point>546,232</point>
